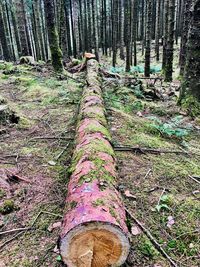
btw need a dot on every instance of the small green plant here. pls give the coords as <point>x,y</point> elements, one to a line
<point>171,128</point>
<point>148,249</point>
<point>6,66</point>
<point>138,92</point>
<point>137,105</point>
<point>7,207</point>
<point>164,203</point>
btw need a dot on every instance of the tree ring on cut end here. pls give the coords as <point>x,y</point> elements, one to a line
<point>95,244</point>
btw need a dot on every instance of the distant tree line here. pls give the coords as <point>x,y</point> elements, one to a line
<point>61,29</point>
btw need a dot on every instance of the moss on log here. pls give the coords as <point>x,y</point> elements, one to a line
<point>94,231</point>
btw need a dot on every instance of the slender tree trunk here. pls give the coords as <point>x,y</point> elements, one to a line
<point>67,17</point>
<point>121,16</point>
<point>56,53</point>
<point>95,29</point>
<point>135,16</point>
<point>128,34</point>
<point>166,13</point>
<point>148,38</point>
<point>76,26</point>
<point>89,19</point>
<point>63,34</point>
<point>170,43</point>
<point>6,52</point>
<point>115,25</point>
<point>157,36</point>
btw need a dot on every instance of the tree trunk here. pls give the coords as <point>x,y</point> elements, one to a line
<point>94,229</point>
<point>166,14</point>
<point>56,53</point>
<point>135,16</point>
<point>184,37</point>
<point>157,33</point>
<point>95,29</point>
<point>115,25</point>
<point>76,27</point>
<point>3,39</point>
<point>170,43</point>
<point>148,38</point>
<point>121,16</point>
<point>128,34</point>
<point>190,90</point>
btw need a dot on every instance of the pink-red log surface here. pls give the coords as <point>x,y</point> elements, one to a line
<point>92,201</point>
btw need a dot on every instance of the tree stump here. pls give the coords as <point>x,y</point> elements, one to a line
<point>94,231</point>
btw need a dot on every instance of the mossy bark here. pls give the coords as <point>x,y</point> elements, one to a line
<point>190,90</point>
<point>92,184</point>
<point>56,53</point>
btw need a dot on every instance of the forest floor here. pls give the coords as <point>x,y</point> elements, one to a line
<point>161,189</point>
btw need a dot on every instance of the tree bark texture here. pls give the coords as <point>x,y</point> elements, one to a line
<point>94,229</point>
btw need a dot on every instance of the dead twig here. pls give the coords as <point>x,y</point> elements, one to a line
<point>147,174</point>
<point>163,191</point>
<point>15,230</point>
<point>11,239</point>
<point>143,150</point>
<point>152,239</point>
<point>50,138</point>
<point>61,153</point>
<point>194,179</point>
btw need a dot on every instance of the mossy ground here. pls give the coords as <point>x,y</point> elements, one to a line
<point>46,107</point>
<point>150,176</point>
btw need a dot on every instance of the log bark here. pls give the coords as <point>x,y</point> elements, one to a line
<point>94,232</point>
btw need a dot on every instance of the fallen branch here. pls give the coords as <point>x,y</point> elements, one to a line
<point>62,152</point>
<point>143,150</point>
<point>152,239</point>
<point>50,138</point>
<point>15,176</point>
<point>11,239</point>
<point>15,230</point>
<point>194,179</point>
<point>147,174</point>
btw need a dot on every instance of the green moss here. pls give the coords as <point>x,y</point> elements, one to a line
<point>147,249</point>
<point>2,193</point>
<point>6,66</point>
<point>99,117</point>
<point>192,105</point>
<point>171,167</point>
<point>24,123</point>
<point>98,202</point>
<point>7,207</point>
<point>112,212</point>
<point>98,174</point>
<point>56,53</point>
<point>73,204</point>
<point>101,129</point>
<point>92,149</point>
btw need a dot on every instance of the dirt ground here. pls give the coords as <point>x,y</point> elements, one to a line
<point>160,189</point>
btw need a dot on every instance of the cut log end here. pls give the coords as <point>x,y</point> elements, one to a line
<point>95,245</point>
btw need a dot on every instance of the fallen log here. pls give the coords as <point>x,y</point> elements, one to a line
<point>94,232</point>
